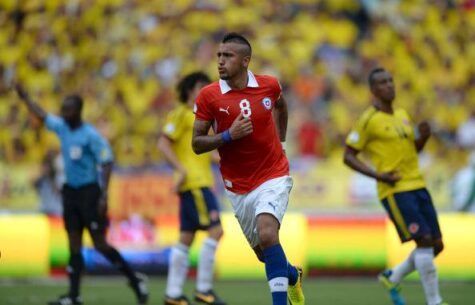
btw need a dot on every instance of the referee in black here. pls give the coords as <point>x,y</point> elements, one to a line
<point>85,192</point>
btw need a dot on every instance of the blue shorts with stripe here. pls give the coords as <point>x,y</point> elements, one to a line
<point>413,214</point>
<point>199,210</point>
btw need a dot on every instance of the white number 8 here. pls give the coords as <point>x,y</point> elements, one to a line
<point>245,108</point>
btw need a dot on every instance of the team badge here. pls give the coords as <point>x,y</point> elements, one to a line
<point>413,228</point>
<point>267,102</point>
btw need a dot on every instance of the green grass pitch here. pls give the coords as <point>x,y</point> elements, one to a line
<point>325,291</point>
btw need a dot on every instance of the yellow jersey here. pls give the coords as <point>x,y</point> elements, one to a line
<point>388,140</point>
<point>179,128</point>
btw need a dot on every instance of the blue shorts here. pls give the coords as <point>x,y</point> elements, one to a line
<point>413,214</point>
<point>199,210</point>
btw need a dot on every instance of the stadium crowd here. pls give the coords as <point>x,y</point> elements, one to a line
<point>124,57</point>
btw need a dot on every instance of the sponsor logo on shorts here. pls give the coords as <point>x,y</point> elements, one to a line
<point>273,205</point>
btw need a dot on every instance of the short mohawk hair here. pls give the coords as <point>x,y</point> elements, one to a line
<point>237,38</point>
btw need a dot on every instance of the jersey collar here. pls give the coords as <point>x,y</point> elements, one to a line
<point>251,82</point>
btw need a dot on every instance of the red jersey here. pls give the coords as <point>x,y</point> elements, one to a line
<point>258,157</point>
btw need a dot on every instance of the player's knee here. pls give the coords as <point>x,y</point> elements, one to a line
<point>216,232</point>
<point>75,242</point>
<point>425,242</point>
<point>102,247</point>
<point>187,238</point>
<point>268,237</point>
<point>100,244</point>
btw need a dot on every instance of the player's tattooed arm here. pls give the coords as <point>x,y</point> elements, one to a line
<point>32,106</point>
<point>351,160</point>
<point>281,117</point>
<point>202,141</point>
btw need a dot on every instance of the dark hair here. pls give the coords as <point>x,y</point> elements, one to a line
<point>237,38</point>
<point>76,99</point>
<point>372,73</point>
<point>188,82</point>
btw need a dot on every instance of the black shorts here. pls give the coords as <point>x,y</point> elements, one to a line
<point>81,209</point>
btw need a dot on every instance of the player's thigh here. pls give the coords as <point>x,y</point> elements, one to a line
<point>404,210</point>
<point>273,199</point>
<point>212,207</point>
<point>429,214</point>
<point>71,210</point>
<point>194,213</point>
<point>95,222</point>
<point>245,211</point>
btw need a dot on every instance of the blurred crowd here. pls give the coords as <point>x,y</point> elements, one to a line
<point>125,57</point>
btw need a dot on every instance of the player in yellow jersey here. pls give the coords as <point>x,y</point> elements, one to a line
<point>386,135</point>
<point>199,208</point>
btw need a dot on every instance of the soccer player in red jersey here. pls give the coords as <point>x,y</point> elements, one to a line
<point>249,119</point>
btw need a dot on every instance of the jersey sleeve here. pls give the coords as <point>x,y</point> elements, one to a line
<point>174,126</point>
<point>358,136</point>
<point>203,107</point>
<point>54,123</point>
<point>100,148</point>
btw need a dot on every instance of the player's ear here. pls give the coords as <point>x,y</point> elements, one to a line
<point>246,60</point>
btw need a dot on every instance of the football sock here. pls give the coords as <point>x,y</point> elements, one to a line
<point>293,274</point>
<point>400,271</point>
<point>424,262</point>
<point>74,270</point>
<point>204,281</point>
<point>277,273</point>
<point>177,270</point>
<point>119,262</point>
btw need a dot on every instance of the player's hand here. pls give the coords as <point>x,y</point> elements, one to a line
<point>424,129</point>
<point>21,91</point>
<point>389,177</point>
<point>103,202</point>
<point>180,181</point>
<point>241,127</point>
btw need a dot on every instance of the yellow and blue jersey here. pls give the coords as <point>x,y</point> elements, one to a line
<point>179,128</point>
<point>388,140</point>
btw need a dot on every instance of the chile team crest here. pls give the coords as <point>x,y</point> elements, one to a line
<point>267,102</point>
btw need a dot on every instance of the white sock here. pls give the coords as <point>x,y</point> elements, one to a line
<point>177,271</point>
<point>204,281</point>
<point>424,262</point>
<point>403,269</point>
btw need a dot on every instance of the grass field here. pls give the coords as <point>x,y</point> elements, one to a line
<point>334,291</point>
